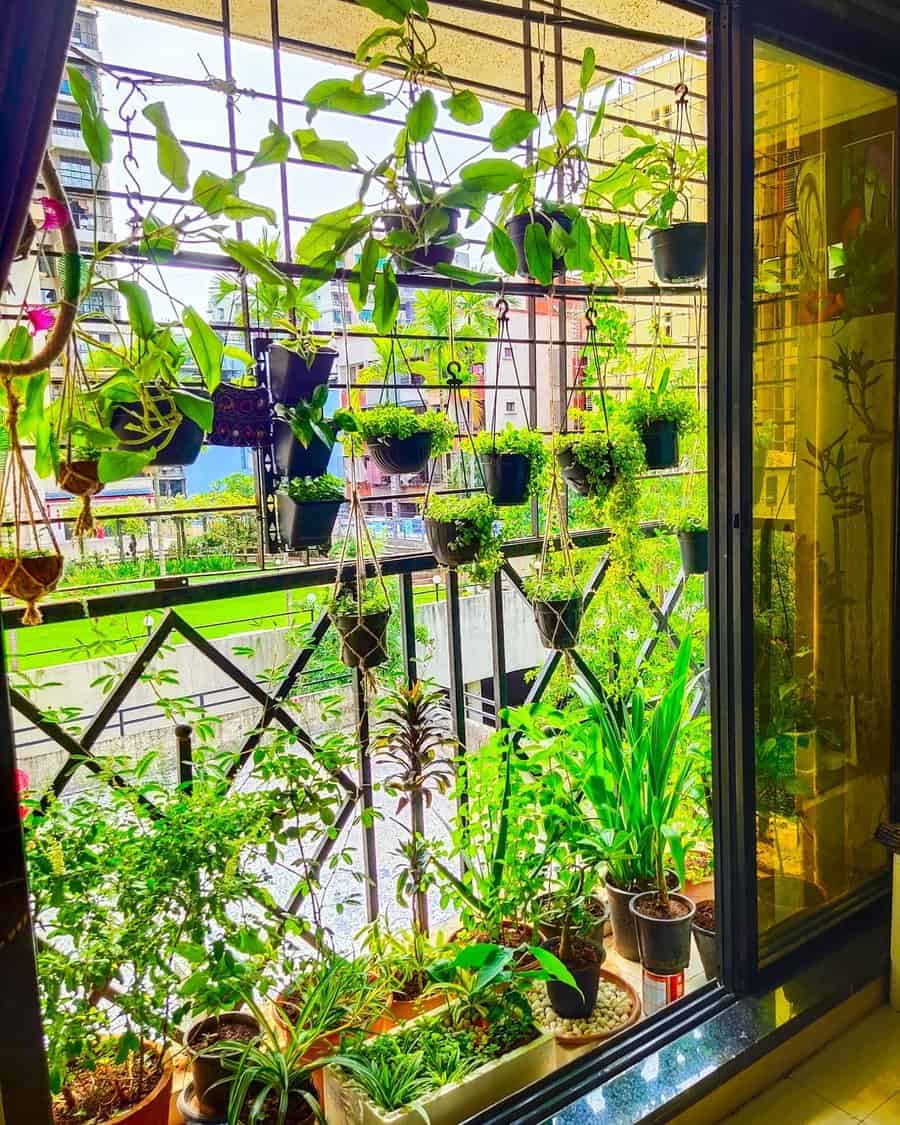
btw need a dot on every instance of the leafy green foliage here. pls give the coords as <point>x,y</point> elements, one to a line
<point>554,582</point>
<point>612,462</point>
<point>529,443</point>
<point>96,133</point>
<point>659,403</point>
<point>373,600</point>
<point>306,490</point>
<point>392,421</point>
<point>473,519</point>
<point>171,158</point>
<point>308,422</point>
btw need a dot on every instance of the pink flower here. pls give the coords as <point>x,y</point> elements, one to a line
<point>40,318</point>
<point>22,781</point>
<point>56,214</point>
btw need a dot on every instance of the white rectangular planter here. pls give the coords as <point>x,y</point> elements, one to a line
<point>346,1104</point>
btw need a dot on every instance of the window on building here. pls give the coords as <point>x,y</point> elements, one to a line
<point>507,351</point>
<point>510,406</point>
<point>75,171</point>
<point>67,121</point>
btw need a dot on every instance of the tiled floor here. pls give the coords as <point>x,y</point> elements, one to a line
<point>854,1078</point>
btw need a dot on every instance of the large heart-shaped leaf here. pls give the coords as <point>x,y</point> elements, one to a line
<point>515,126</point>
<point>491,174</point>
<point>464,107</point>
<point>273,148</point>
<point>140,314</point>
<point>422,117</point>
<point>96,133</point>
<point>171,158</point>
<point>206,347</point>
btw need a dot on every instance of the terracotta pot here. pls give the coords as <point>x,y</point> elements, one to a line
<point>400,1011</point>
<point>151,1110</point>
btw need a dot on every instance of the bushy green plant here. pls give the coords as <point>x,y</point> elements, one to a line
<point>613,463</point>
<point>392,421</point>
<point>659,403</point>
<point>473,519</point>
<point>307,419</point>
<point>510,440</point>
<point>689,523</point>
<point>553,583</point>
<point>307,490</point>
<point>346,602</point>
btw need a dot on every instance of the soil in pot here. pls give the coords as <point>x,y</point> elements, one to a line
<point>660,444</point>
<point>519,224</point>
<point>292,459</point>
<point>705,936</point>
<point>183,448</point>
<point>679,253</point>
<point>694,547</point>
<point>584,963</point>
<point>596,907</point>
<point>558,622</point>
<point>309,524</point>
<point>664,931</point>
<point>506,477</point>
<point>624,932</point>
<point>441,535</point>
<point>292,378</point>
<point>363,638</point>
<point>209,1089</point>
<point>117,1094</point>
<point>425,257</point>
<point>401,455</point>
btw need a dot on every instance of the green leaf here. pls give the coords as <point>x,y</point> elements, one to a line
<point>375,39</point>
<point>578,255</point>
<point>387,299</point>
<point>94,130</point>
<point>560,240</point>
<point>206,347</point>
<point>321,151</point>
<point>171,158</point>
<point>236,208</point>
<point>242,356</point>
<point>565,129</point>
<point>193,954</point>
<point>515,126</point>
<point>342,95</point>
<point>254,261</point>
<point>464,107</point>
<point>273,148</point>
<point>368,264</point>
<point>160,240</point>
<point>600,112</point>
<point>588,67</point>
<point>117,464</point>
<point>460,273</point>
<point>140,314</point>
<point>504,251</point>
<point>396,10</point>
<point>212,192</point>
<point>422,117</point>
<point>199,410</point>
<point>620,242</point>
<point>538,254</point>
<point>552,965</point>
<point>324,234</point>
<point>18,345</point>
<point>492,175</point>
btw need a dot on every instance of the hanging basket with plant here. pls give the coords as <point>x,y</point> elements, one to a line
<point>461,530</point>
<point>693,542</point>
<point>304,437</point>
<point>554,589</point>
<point>300,362</point>
<point>401,440</point>
<point>660,415</point>
<point>241,417</point>
<point>308,509</point>
<point>422,235</point>
<point>594,464</point>
<point>513,462</point>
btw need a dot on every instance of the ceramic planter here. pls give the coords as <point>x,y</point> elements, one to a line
<point>441,535</point>
<point>519,224</point>
<point>292,459</point>
<point>292,378</point>
<point>660,444</point>
<point>210,1091</point>
<point>664,943</point>
<point>401,455</point>
<point>424,257</point>
<point>506,477</point>
<point>241,417</point>
<point>694,547</point>
<point>705,937</point>
<point>558,622</point>
<point>363,638</point>
<point>184,446</point>
<point>309,524</point>
<point>679,253</point>
<point>623,928</point>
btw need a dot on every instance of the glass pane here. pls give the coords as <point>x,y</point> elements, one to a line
<point>823,447</point>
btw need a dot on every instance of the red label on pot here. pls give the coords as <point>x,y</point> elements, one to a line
<point>659,990</point>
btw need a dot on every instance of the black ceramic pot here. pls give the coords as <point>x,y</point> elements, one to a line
<point>574,474</point>
<point>424,257</point>
<point>694,547</point>
<point>292,378</point>
<point>660,444</point>
<point>664,943</point>
<point>208,1073</point>
<point>568,1002</point>
<point>679,253</point>
<point>292,460</point>
<point>506,477</point>
<point>440,535</point>
<point>185,444</point>
<point>401,455</point>
<point>558,622</point>
<point>309,524</point>
<point>363,638</point>
<point>623,927</point>
<point>519,224</point>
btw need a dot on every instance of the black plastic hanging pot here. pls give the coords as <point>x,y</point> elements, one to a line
<point>506,477</point>
<point>558,622</point>
<point>706,943</point>
<point>664,943</point>
<point>308,524</point>
<point>440,535</point>
<point>292,378</point>
<point>363,638</point>
<point>425,257</point>
<point>211,1088</point>
<point>584,964</point>
<point>185,444</point>
<point>292,459</point>
<point>660,440</point>
<point>623,927</point>
<point>573,472</point>
<point>401,455</point>
<point>679,253</point>
<point>694,547</point>
<point>519,224</point>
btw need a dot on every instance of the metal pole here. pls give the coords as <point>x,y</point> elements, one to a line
<point>185,755</point>
<point>498,648</point>
<point>364,762</point>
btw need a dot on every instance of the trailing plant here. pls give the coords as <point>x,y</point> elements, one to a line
<point>473,519</point>
<point>391,421</point>
<point>528,443</point>
<point>373,600</point>
<point>689,523</point>
<point>613,464</point>
<point>555,582</point>
<point>310,490</point>
<point>308,422</point>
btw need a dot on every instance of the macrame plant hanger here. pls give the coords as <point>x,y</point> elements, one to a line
<point>77,409</point>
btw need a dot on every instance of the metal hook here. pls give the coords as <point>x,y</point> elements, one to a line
<point>454,373</point>
<point>590,316</point>
<point>682,93</point>
<point>502,307</point>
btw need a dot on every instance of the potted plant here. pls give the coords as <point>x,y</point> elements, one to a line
<point>308,509</point>
<point>556,600</point>
<point>422,234</point>
<point>210,1087</point>
<point>513,461</point>
<point>588,912</point>
<point>361,619</point>
<point>595,463</point>
<point>402,962</point>
<point>693,542</point>
<point>704,929</point>
<point>583,959</point>
<point>401,440</point>
<point>303,437</point>
<point>660,416</point>
<point>79,474</point>
<point>460,530</point>
<point>300,362</point>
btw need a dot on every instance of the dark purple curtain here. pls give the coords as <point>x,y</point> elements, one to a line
<point>34,38</point>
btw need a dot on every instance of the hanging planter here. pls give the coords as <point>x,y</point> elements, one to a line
<point>81,478</point>
<point>428,231</point>
<point>303,437</point>
<point>593,464</point>
<point>460,529</point>
<point>363,630</point>
<point>663,931</point>
<point>401,440</point>
<point>308,509</point>
<point>693,542</point>
<point>518,230</point>
<point>660,416</point>
<point>512,461</point>
<point>558,621</point>
<point>295,374</point>
<point>241,417</point>
<point>157,424</point>
<point>679,253</point>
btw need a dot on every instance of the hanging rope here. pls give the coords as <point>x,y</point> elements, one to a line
<point>504,339</point>
<point>76,405</point>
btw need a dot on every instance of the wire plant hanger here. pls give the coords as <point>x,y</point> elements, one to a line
<point>504,339</point>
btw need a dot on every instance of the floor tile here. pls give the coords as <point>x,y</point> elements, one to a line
<point>886,1114</point>
<point>787,1102</point>
<point>860,1070</point>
